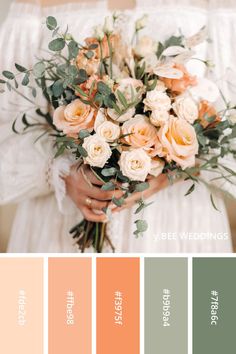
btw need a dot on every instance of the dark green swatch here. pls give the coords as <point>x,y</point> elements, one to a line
<point>166,306</point>
<point>214,306</point>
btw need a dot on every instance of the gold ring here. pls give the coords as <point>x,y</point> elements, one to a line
<point>88,202</point>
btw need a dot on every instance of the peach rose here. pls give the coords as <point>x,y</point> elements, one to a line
<point>91,65</point>
<point>141,134</point>
<point>179,141</point>
<point>206,110</point>
<point>180,85</point>
<point>74,117</point>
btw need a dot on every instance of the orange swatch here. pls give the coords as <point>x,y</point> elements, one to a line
<point>118,301</point>
<point>70,306</point>
<point>21,305</point>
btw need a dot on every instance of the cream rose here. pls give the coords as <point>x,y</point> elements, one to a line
<point>145,46</point>
<point>179,141</point>
<point>186,108</point>
<point>74,117</point>
<point>158,117</point>
<point>105,128</point>
<point>123,117</point>
<point>109,131</point>
<point>98,150</point>
<point>157,166</point>
<point>135,164</point>
<point>157,100</point>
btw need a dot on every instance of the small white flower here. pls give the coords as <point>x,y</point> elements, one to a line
<point>141,22</point>
<point>108,25</point>
<point>109,131</point>
<point>186,108</point>
<point>158,117</point>
<point>205,89</point>
<point>98,150</point>
<point>135,164</point>
<point>145,47</point>
<point>157,100</point>
<point>98,32</point>
<point>157,166</point>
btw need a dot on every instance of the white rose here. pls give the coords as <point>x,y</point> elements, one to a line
<point>157,166</point>
<point>98,151</point>
<point>141,22</point>
<point>232,117</point>
<point>186,108</point>
<point>109,131</point>
<point>135,164</point>
<point>145,47</point>
<point>108,25</point>
<point>150,61</point>
<point>98,32</point>
<point>123,117</point>
<point>158,117</point>
<point>157,100</point>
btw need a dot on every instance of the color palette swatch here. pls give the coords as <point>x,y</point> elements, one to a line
<point>118,305</point>
<point>166,305</point>
<point>70,305</point>
<point>103,305</point>
<point>21,305</point>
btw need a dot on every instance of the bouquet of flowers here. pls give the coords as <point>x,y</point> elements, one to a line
<point>129,111</point>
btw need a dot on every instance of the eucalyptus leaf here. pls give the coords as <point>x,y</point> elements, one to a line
<point>39,69</point>
<point>57,44</point>
<point>51,23</point>
<point>109,186</point>
<point>25,80</point>
<point>107,172</point>
<point>82,151</point>
<point>83,134</point>
<point>141,187</point>
<point>8,74</point>
<point>20,68</point>
<point>190,190</point>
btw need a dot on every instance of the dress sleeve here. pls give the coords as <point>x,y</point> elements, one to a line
<point>222,51</point>
<point>27,167</point>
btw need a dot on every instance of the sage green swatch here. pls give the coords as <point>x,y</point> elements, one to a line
<point>162,274</point>
<point>214,274</point>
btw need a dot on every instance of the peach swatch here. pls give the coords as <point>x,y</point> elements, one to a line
<point>21,305</point>
<point>118,300</point>
<point>70,305</point>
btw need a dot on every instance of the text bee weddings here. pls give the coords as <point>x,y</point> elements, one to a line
<point>70,302</point>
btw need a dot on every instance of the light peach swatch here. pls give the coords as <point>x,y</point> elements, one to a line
<point>118,302</point>
<point>21,305</point>
<point>70,305</point>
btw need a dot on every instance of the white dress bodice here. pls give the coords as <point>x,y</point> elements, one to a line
<point>28,174</point>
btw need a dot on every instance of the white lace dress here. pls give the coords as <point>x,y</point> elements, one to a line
<point>30,177</point>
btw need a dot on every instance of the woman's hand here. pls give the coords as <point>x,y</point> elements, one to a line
<point>155,185</point>
<point>85,190</point>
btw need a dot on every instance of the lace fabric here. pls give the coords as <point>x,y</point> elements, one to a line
<point>203,4</point>
<point>35,9</point>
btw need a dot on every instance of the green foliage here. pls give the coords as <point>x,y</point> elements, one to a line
<point>56,45</point>
<point>8,75</point>
<point>141,227</point>
<point>51,23</point>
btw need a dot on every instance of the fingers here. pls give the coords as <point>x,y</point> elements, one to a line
<point>98,205</point>
<point>97,193</point>
<point>91,216</point>
<point>91,177</point>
